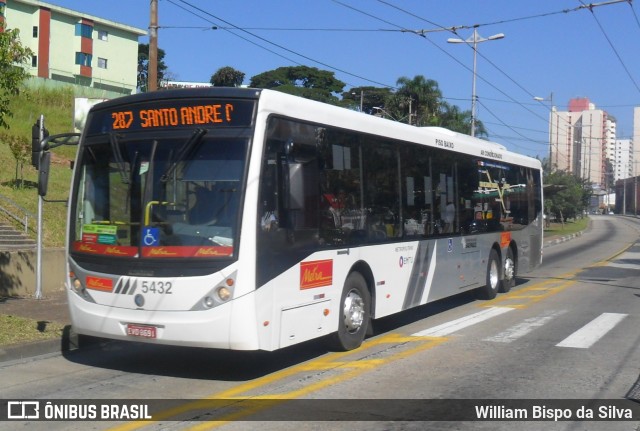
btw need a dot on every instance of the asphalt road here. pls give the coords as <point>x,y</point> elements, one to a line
<point>568,331</point>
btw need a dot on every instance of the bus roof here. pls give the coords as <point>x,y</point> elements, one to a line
<point>277,103</point>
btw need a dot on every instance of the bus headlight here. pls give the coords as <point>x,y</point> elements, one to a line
<point>208,302</point>
<point>79,288</point>
<point>218,296</point>
<point>223,293</point>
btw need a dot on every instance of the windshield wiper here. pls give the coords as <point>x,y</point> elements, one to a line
<point>117,154</point>
<point>184,151</point>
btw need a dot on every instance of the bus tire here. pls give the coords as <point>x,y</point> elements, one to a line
<point>508,272</point>
<point>492,285</point>
<point>354,314</point>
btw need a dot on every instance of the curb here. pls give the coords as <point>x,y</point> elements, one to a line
<point>17,352</point>
<point>562,239</point>
<point>29,350</point>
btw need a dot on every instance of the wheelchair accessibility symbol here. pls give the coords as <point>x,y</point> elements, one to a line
<point>150,236</point>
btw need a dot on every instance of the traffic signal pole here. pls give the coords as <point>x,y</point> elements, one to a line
<point>40,205</point>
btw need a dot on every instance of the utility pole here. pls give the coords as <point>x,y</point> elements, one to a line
<point>152,75</point>
<point>473,42</point>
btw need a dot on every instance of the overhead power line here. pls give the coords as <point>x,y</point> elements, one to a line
<point>615,51</point>
<point>247,34</point>
<point>439,27</point>
<point>235,27</point>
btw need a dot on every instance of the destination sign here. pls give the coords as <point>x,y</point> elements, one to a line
<point>172,114</point>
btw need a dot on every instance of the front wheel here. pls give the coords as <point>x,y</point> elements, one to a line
<point>354,314</point>
<point>490,289</point>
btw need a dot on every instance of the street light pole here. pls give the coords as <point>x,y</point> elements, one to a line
<point>473,41</point>
<point>384,112</point>
<point>553,109</point>
<point>361,99</point>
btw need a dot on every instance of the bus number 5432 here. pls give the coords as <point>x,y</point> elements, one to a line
<point>159,287</point>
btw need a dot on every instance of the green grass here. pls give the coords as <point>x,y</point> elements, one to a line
<point>19,330</point>
<point>568,228</point>
<point>57,108</point>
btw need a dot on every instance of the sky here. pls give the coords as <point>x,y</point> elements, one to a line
<point>552,49</point>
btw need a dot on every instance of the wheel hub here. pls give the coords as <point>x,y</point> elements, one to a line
<point>353,311</point>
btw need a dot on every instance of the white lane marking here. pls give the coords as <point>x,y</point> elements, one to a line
<point>624,265</point>
<point>463,322</point>
<point>587,336</point>
<point>628,256</point>
<point>525,327</point>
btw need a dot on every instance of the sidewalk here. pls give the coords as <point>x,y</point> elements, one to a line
<point>53,308</point>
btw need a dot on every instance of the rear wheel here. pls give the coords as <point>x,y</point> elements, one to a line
<point>508,272</point>
<point>490,289</point>
<point>354,313</point>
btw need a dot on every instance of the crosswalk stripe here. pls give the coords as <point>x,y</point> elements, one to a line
<point>587,336</point>
<point>464,322</point>
<point>525,327</point>
<point>626,260</point>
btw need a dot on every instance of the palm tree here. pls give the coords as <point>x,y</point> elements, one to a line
<point>452,118</point>
<point>419,99</point>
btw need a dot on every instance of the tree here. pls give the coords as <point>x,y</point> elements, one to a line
<point>143,66</point>
<point>21,149</point>
<point>372,97</point>
<point>569,196</point>
<point>452,118</point>
<point>227,77</point>
<point>418,99</point>
<point>304,81</point>
<point>12,75</point>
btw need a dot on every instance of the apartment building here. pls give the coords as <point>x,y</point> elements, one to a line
<point>580,140</point>
<point>76,48</point>
<point>622,160</point>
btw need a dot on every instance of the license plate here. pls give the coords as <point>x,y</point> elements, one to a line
<point>143,331</point>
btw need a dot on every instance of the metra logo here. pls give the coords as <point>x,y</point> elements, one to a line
<point>212,251</point>
<point>316,273</point>
<point>115,250</point>
<point>161,252</point>
<point>87,248</point>
<point>98,283</point>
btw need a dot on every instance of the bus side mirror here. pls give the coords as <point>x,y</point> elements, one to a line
<point>38,133</point>
<point>43,173</point>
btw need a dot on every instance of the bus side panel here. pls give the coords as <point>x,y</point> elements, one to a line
<point>243,326</point>
<point>299,304</point>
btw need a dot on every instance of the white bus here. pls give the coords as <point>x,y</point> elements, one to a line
<point>251,219</point>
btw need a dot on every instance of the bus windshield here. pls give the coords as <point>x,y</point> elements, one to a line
<point>170,194</point>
